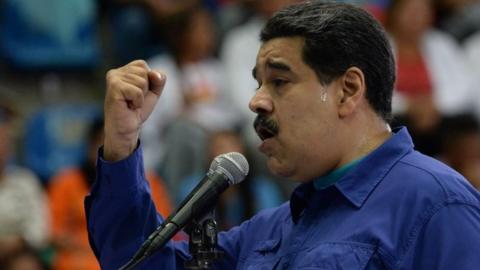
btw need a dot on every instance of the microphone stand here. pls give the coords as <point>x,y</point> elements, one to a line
<point>203,242</point>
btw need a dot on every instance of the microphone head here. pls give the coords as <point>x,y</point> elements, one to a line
<point>233,165</point>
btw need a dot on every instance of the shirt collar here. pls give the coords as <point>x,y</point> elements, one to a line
<point>358,183</point>
<point>331,178</point>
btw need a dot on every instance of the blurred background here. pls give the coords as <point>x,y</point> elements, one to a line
<point>53,58</point>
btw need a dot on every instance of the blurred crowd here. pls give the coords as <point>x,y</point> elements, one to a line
<point>54,55</point>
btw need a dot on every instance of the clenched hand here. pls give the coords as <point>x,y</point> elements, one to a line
<point>132,92</point>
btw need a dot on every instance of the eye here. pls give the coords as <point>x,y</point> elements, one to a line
<point>279,82</point>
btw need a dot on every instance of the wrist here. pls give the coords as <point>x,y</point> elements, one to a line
<point>118,149</point>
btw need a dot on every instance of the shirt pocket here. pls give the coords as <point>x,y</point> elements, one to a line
<point>264,256</point>
<point>351,256</point>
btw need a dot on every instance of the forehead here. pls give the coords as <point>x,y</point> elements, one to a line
<point>286,51</point>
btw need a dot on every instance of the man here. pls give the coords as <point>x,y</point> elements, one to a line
<point>367,199</point>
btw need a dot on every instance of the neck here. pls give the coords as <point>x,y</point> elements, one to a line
<point>368,136</point>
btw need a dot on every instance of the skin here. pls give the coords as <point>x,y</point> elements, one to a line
<point>132,92</point>
<point>316,134</point>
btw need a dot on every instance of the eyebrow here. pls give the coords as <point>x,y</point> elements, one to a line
<point>278,66</point>
<point>273,65</point>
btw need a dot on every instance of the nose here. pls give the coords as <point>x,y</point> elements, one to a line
<point>261,102</point>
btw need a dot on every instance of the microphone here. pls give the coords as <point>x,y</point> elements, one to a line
<point>225,170</point>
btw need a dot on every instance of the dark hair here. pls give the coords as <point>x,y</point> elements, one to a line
<point>339,36</point>
<point>175,28</point>
<point>454,129</point>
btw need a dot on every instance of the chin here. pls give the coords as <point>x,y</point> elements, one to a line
<point>281,169</point>
<point>286,172</point>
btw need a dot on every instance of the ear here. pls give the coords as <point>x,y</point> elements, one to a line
<point>352,91</point>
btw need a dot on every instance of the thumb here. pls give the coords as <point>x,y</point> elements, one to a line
<point>156,81</point>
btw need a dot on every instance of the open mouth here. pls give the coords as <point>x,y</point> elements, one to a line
<point>265,128</point>
<point>264,133</point>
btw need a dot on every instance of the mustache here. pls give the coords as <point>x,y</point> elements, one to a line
<point>263,122</point>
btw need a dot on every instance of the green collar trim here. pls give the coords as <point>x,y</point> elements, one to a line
<point>331,178</point>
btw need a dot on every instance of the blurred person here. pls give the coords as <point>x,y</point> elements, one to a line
<point>472,48</point>
<point>366,200</point>
<point>196,104</point>
<point>238,54</point>
<point>459,18</point>
<point>23,206</point>
<point>460,138</point>
<point>433,76</point>
<point>242,201</point>
<point>24,259</point>
<point>67,191</point>
<point>135,26</point>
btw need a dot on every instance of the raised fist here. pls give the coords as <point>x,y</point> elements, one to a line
<point>132,92</point>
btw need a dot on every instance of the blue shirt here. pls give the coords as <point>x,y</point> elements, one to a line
<point>397,209</point>
<point>330,178</point>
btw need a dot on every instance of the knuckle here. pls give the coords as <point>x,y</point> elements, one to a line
<point>142,81</point>
<point>136,92</point>
<point>140,63</point>
<point>114,84</point>
<point>110,74</point>
<point>137,79</point>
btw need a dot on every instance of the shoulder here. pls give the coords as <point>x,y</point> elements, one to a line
<point>22,176</point>
<point>417,189</point>
<point>435,180</point>
<point>439,37</point>
<point>446,211</point>
<point>440,41</point>
<point>23,181</point>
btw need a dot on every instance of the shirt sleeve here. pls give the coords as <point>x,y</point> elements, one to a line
<point>449,240</point>
<point>121,215</point>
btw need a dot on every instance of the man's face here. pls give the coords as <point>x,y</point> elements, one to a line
<point>297,116</point>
